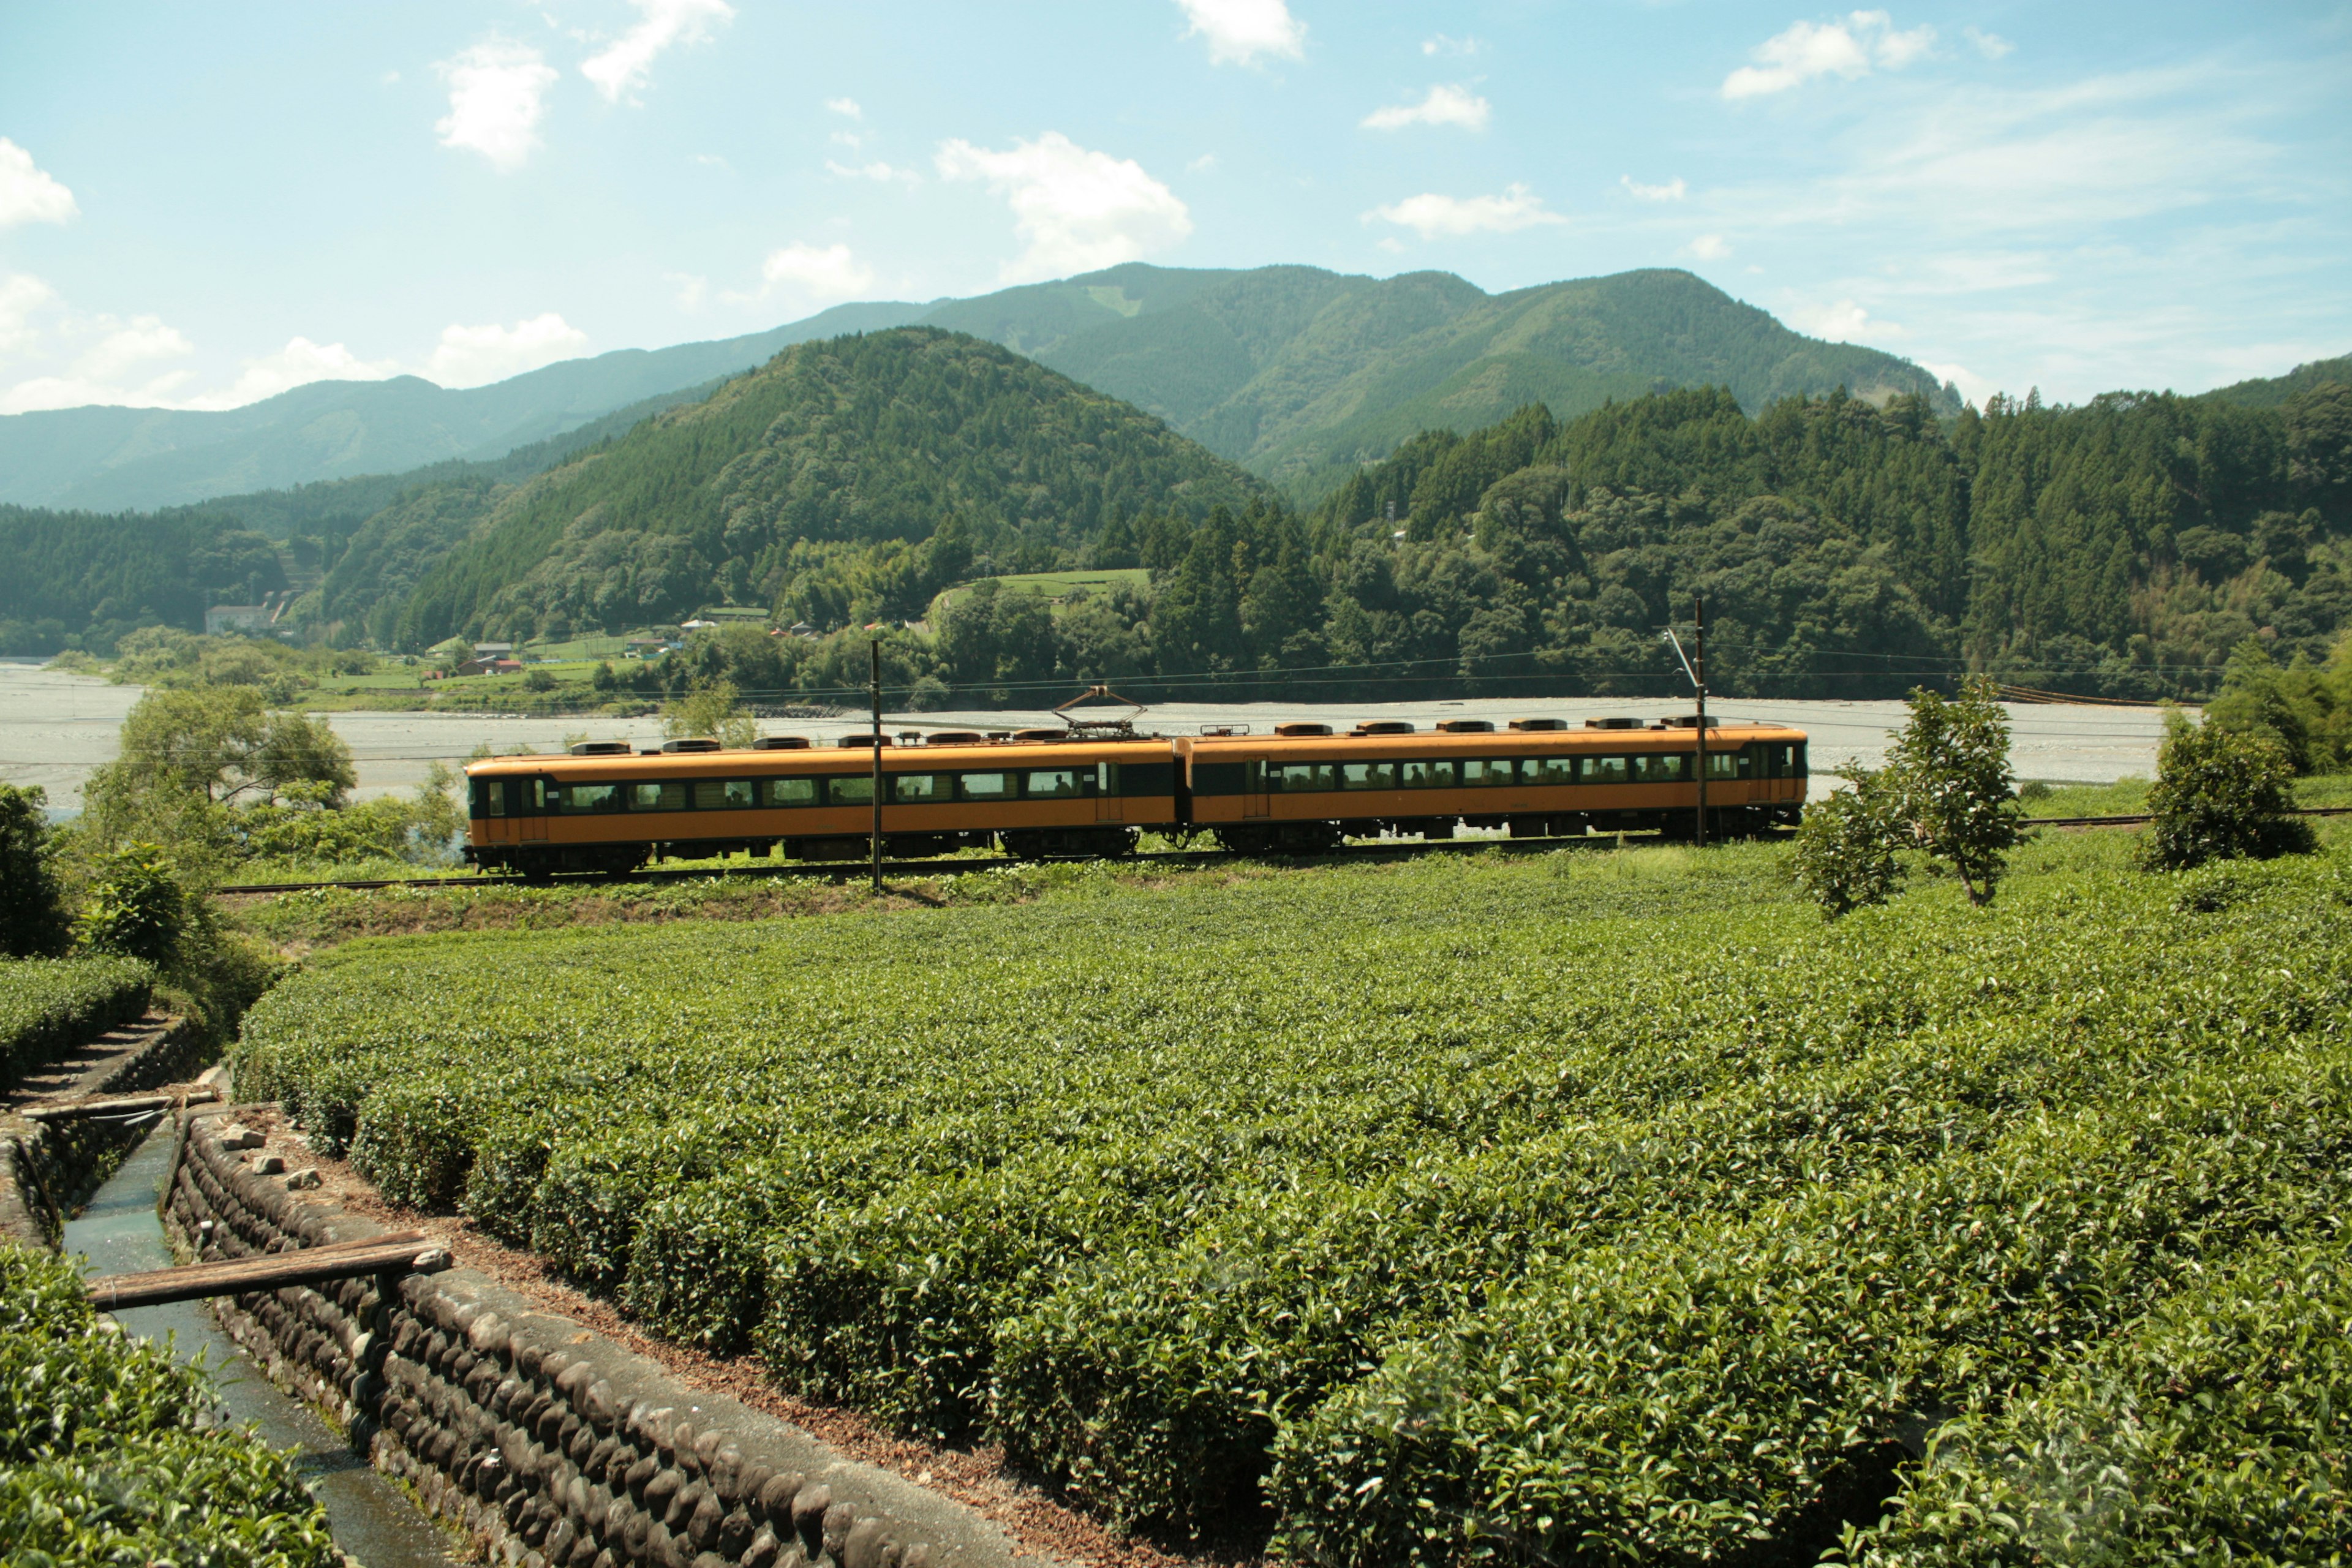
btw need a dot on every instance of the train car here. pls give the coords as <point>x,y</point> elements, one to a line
<point>606,807</point>
<point>1304,788</point>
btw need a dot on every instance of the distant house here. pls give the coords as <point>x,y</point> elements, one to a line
<point>803,629</point>
<point>698,626</point>
<point>489,667</point>
<point>222,619</point>
<point>493,650</point>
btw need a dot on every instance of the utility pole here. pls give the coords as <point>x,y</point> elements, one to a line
<point>1698,679</point>
<point>874,651</point>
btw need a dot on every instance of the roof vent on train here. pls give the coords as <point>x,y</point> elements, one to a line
<point>781,744</point>
<point>1000,734</point>
<point>1616,721</point>
<point>863,741</point>
<point>1302,728</point>
<point>1538,723</point>
<point>1223,731</point>
<point>1465,726</point>
<point>955,738</point>
<point>1041,734</point>
<point>601,748</point>
<point>1686,721</point>
<point>699,743</point>
<point>1382,727</point>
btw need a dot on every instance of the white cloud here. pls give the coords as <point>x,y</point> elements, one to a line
<point>692,288</point>
<point>1204,165</point>
<point>498,95</point>
<point>831,273</point>
<point>1079,210</point>
<point>1842,323</point>
<point>1710,247</point>
<point>1847,49</point>
<point>1430,215</point>
<point>1974,388</point>
<point>299,364</point>
<point>1441,45</point>
<point>27,194</point>
<point>1672,190</point>
<point>713,160</point>
<point>1240,30</point>
<point>80,359</point>
<point>21,295</point>
<point>1991,46</point>
<point>470,356</point>
<point>621,67</point>
<point>1445,105</point>
<point>877,170</point>
<point>846,106</point>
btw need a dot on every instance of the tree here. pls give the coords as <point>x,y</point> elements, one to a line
<point>2221,793</point>
<point>32,912</point>
<point>1846,847</point>
<point>710,710</point>
<point>1948,772</point>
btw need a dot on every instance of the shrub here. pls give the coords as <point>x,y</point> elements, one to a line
<point>112,1453</point>
<point>134,907</point>
<point>2221,793</point>
<point>1846,855</point>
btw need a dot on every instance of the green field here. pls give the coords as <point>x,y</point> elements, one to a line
<point>1592,1207</point>
<point>1055,585</point>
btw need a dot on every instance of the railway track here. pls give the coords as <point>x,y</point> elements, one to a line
<point>843,871</point>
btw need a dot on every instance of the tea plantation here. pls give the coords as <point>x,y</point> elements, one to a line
<point>106,1453</point>
<point>50,1005</point>
<point>1588,1209</point>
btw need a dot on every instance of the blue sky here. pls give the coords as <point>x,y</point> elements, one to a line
<point>202,206</point>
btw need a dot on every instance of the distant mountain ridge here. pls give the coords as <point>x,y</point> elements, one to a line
<point>1297,374</point>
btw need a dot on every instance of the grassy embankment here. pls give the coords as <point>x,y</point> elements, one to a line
<point>1417,1212</point>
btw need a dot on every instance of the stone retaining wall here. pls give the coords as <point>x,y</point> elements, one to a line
<point>552,1445</point>
<point>48,1167</point>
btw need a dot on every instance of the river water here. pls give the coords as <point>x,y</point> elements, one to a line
<point>372,1517</point>
<point>55,728</point>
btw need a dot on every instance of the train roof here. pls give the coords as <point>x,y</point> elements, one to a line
<point>852,754</point>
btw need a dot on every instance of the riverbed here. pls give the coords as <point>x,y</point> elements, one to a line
<point>55,728</point>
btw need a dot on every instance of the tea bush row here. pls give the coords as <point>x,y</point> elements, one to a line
<point>52,1004</point>
<point>108,1450</point>
<point>1328,1191</point>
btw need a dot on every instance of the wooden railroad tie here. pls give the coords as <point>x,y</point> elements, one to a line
<point>402,1252</point>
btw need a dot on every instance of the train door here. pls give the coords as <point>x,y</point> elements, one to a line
<point>538,804</point>
<point>1110,806</point>
<point>1254,791</point>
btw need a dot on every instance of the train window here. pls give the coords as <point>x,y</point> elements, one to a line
<point>1143,778</point>
<point>849,789</point>
<point>670,796</point>
<point>921,789</point>
<point>1480,772</point>
<point>580,800</point>
<point>1781,762</point>
<point>1368,775</point>
<point>489,797</point>
<point>1053,783</point>
<point>722,795</point>
<point>1600,770</point>
<point>984,786</point>
<point>1799,750</point>
<point>792,791</point>
<point>1672,767</point>
<point>1730,765</point>
<point>1220,778</point>
<point>1297,778</point>
<point>1547,770</point>
<point>1438,775</point>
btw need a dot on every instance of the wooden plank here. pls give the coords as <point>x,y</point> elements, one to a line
<point>270,1272</point>
<point>118,1104</point>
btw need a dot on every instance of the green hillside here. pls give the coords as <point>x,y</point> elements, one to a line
<point>1301,374</point>
<point>2273,392</point>
<point>875,470</point>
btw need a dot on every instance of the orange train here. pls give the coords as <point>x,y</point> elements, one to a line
<point>606,807</point>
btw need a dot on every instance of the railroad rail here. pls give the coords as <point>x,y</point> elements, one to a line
<point>944,866</point>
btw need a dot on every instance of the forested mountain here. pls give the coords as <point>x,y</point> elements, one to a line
<point>1301,375</point>
<point>1295,373</point>
<point>91,578</point>
<point>866,471</point>
<point>111,458</point>
<point>2272,391</point>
